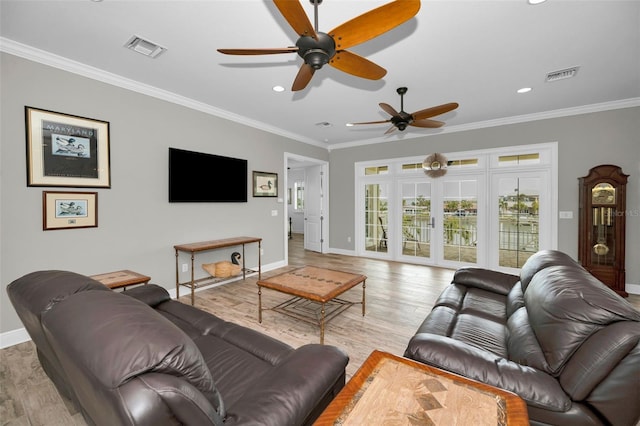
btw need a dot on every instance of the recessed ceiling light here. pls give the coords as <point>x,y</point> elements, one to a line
<point>278,89</point>
<point>524,90</point>
<point>536,1</point>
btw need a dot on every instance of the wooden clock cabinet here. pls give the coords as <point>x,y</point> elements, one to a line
<point>601,232</point>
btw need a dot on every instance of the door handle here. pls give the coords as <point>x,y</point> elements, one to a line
<point>433,222</point>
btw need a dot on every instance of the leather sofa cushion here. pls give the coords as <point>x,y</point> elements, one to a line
<point>38,291</point>
<point>486,279</point>
<point>134,339</point>
<point>515,299</point>
<point>541,260</point>
<point>472,315</point>
<point>536,387</point>
<point>522,343</point>
<point>150,294</point>
<point>566,305</point>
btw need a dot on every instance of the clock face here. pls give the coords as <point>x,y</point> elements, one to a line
<point>603,193</point>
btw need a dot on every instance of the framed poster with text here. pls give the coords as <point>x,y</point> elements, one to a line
<point>66,150</point>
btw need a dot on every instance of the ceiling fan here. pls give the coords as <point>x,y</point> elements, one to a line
<point>402,119</point>
<point>318,48</point>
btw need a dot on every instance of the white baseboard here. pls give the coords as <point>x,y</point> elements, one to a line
<point>342,252</point>
<point>14,337</point>
<point>20,335</point>
<point>632,288</point>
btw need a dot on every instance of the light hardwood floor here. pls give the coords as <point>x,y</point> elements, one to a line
<point>398,297</point>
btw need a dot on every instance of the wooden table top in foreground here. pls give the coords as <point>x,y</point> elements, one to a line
<point>310,282</point>
<point>388,389</point>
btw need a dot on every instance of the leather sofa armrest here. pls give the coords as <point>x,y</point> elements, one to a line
<point>150,294</point>
<point>536,387</point>
<point>293,389</point>
<point>494,281</point>
<point>156,399</point>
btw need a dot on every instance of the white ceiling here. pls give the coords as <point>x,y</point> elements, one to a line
<point>476,53</point>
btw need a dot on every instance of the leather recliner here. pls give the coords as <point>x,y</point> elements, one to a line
<point>140,358</point>
<point>554,335</point>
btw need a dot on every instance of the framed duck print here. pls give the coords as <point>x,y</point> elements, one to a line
<point>66,150</point>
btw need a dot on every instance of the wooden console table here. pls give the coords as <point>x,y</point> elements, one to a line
<point>194,248</point>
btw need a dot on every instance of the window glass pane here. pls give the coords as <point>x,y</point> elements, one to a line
<point>513,160</point>
<point>518,207</point>
<point>378,170</point>
<point>416,219</point>
<point>298,190</point>
<point>376,217</point>
<point>412,166</point>
<point>460,216</point>
<point>472,162</point>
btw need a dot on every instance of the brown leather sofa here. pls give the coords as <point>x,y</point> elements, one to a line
<point>140,358</point>
<point>554,335</point>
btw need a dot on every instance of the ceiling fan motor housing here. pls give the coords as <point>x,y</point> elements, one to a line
<point>316,53</point>
<point>402,120</point>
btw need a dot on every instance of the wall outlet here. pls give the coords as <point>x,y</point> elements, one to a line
<point>348,239</point>
<point>185,267</point>
<point>261,251</point>
<point>566,215</point>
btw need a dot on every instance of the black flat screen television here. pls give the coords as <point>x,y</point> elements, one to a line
<point>206,178</point>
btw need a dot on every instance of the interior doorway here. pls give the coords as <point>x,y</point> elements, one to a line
<point>307,191</point>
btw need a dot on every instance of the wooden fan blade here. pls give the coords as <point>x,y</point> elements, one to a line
<point>303,78</point>
<point>369,122</point>
<point>357,65</point>
<point>433,111</point>
<point>389,109</point>
<point>431,124</point>
<point>295,15</point>
<point>258,51</point>
<point>390,130</point>
<point>373,23</point>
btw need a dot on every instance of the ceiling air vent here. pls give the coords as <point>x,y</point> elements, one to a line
<point>561,74</point>
<point>144,47</point>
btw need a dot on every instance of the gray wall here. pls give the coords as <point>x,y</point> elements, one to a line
<point>137,227</point>
<point>584,141</point>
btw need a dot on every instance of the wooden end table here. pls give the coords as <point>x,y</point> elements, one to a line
<point>311,285</point>
<point>388,389</point>
<point>123,278</point>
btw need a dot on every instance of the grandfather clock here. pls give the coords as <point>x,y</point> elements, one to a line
<point>601,229</point>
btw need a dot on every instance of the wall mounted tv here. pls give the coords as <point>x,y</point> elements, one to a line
<point>206,178</point>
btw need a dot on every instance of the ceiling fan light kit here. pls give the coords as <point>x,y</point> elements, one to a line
<point>318,48</point>
<point>435,165</point>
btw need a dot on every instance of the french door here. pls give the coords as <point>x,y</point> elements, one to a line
<point>492,208</point>
<point>430,221</point>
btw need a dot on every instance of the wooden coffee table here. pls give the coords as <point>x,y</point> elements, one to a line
<point>315,294</point>
<point>388,389</point>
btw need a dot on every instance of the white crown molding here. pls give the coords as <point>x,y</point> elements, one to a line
<point>516,119</point>
<point>27,52</point>
<point>65,64</point>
